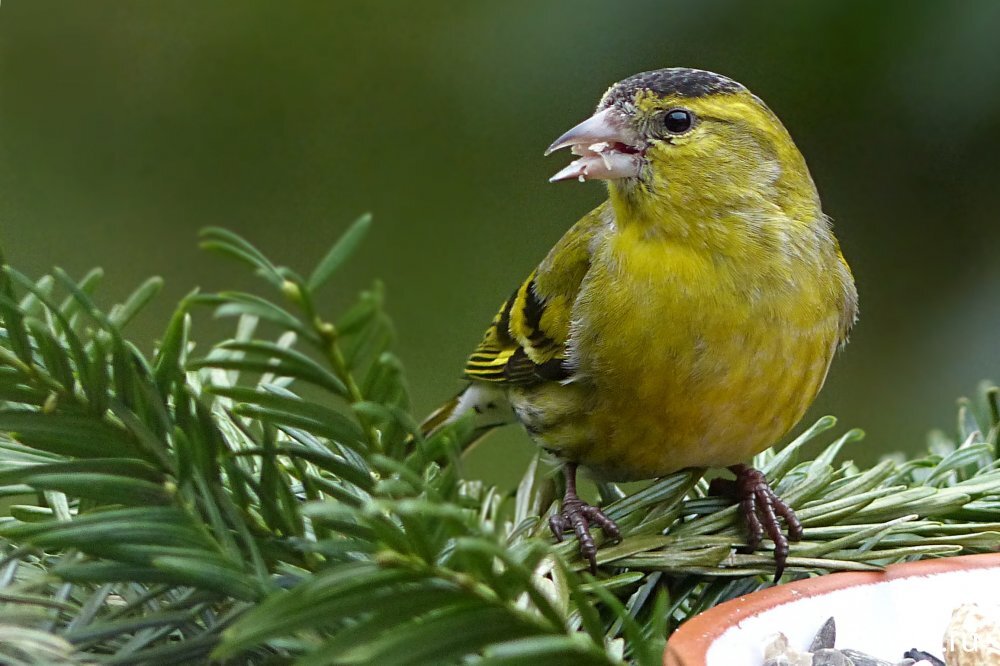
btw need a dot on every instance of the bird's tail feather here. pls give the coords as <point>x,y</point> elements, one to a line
<point>439,417</point>
<point>487,403</point>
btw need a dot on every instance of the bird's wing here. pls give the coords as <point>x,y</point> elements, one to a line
<point>526,343</point>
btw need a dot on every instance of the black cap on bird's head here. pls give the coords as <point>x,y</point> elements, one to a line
<point>675,81</point>
<point>609,145</point>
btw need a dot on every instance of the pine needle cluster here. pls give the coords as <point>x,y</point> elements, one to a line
<point>269,499</point>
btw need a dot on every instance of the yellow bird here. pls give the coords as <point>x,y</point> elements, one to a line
<point>687,321</point>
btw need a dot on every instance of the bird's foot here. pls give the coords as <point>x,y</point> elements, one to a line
<point>579,515</point>
<point>761,508</point>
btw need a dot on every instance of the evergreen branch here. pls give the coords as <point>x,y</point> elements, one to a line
<point>274,499</point>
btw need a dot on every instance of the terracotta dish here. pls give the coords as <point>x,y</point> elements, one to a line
<point>879,613</point>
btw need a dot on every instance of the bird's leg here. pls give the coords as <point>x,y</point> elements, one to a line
<point>578,514</point>
<point>761,509</point>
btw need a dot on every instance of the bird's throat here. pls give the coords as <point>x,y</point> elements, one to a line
<point>748,228</point>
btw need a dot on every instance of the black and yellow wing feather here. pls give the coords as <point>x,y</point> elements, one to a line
<point>526,342</point>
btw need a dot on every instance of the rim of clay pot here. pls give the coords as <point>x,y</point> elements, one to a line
<point>689,645</point>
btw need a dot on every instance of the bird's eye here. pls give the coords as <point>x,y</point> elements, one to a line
<point>678,121</point>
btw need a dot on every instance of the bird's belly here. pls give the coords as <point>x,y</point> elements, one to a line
<point>711,405</point>
<point>667,386</point>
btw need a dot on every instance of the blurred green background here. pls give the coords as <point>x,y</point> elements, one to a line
<point>127,126</point>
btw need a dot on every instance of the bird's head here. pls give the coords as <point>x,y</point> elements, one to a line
<point>686,138</point>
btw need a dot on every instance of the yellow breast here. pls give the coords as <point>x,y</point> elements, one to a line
<point>690,358</point>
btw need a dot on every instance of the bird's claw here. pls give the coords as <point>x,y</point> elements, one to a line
<point>761,508</point>
<point>579,515</point>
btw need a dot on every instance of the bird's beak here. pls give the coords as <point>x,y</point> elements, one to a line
<point>607,146</point>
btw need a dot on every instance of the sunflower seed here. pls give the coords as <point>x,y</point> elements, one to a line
<point>825,637</point>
